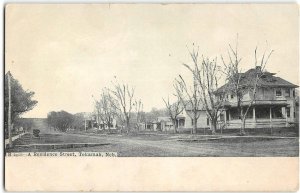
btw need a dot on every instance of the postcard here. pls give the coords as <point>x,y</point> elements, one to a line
<point>151,97</point>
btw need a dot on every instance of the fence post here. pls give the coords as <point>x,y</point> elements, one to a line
<point>9,111</point>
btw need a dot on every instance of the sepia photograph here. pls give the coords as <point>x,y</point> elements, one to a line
<point>183,82</point>
<point>162,83</point>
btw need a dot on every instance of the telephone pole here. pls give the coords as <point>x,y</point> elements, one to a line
<point>9,109</point>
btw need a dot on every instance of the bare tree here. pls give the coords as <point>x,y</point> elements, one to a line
<point>106,109</point>
<point>124,101</point>
<point>138,108</point>
<point>189,97</point>
<point>240,85</point>
<point>174,110</point>
<point>207,75</point>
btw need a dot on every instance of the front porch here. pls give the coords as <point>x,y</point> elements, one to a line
<point>262,116</point>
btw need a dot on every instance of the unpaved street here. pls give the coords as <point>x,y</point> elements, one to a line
<point>171,145</point>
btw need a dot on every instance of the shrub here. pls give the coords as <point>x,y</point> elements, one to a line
<point>36,132</point>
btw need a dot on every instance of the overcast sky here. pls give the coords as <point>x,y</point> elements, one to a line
<point>67,53</point>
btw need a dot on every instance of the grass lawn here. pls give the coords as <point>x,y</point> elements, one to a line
<point>166,145</point>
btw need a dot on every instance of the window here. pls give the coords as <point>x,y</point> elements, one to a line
<point>277,113</point>
<point>221,96</point>
<point>287,92</point>
<point>293,93</point>
<point>262,112</point>
<point>181,122</point>
<point>249,113</point>
<point>227,115</point>
<point>222,117</point>
<point>288,112</point>
<point>234,113</point>
<point>278,92</point>
<point>231,96</point>
<point>207,121</point>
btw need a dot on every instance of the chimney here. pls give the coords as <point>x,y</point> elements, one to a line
<point>258,68</point>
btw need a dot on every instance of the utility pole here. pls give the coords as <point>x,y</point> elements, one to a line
<point>9,109</point>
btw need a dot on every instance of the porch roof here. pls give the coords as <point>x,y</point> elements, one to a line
<point>180,116</point>
<point>258,103</point>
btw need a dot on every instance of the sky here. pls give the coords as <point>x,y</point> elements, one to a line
<point>67,53</point>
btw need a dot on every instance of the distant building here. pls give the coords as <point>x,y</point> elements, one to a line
<point>149,126</point>
<point>164,124</point>
<point>186,122</point>
<point>102,126</point>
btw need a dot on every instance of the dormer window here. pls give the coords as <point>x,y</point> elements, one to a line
<point>278,92</point>
<point>231,96</point>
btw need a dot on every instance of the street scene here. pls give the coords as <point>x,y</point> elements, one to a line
<point>161,145</point>
<point>135,87</point>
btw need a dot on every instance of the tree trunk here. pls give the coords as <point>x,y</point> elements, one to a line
<point>127,125</point>
<point>9,112</point>
<point>243,120</point>
<point>242,130</point>
<point>175,126</point>
<point>108,126</point>
<point>195,125</point>
<point>213,126</point>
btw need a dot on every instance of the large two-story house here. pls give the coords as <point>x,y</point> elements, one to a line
<point>274,105</point>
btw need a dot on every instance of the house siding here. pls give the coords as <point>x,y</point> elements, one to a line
<point>201,121</point>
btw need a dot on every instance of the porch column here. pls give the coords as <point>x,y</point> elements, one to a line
<point>286,117</point>
<point>254,117</point>
<point>270,116</point>
<point>225,116</point>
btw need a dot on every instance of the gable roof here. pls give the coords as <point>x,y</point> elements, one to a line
<point>268,80</point>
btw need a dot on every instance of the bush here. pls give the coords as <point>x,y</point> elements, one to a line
<point>36,132</point>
